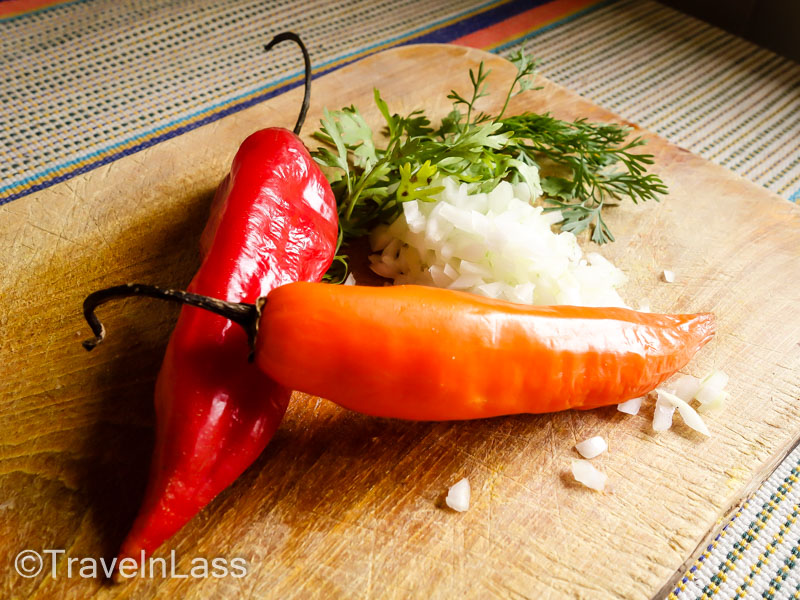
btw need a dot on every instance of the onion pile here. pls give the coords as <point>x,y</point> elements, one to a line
<point>708,392</point>
<point>495,244</point>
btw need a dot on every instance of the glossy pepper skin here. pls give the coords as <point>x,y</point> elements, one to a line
<point>273,221</point>
<point>423,353</point>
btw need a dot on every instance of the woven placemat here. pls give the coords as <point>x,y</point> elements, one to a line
<point>86,82</point>
<point>756,552</point>
<point>713,93</point>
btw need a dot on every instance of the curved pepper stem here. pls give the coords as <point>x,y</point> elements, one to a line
<point>246,315</point>
<point>288,35</point>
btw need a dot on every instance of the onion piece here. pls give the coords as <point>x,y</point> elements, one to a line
<point>711,386</point>
<point>669,276</point>
<point>585,472</point>
<point>688,414</point>
<point>715,403</point>
<point>458,496</point>
<point>592,447</point>
<point>382,269</point>
<point>662,416</point>
<point>707,394</point>
<point>718,379</point>
<point>349,280</point>
<point>685,387</point>
<point>632,406</point>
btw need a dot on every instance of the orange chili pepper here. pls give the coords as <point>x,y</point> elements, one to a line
<point>423,353</point>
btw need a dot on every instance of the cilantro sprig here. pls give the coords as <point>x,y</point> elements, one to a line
<point>592,165</point>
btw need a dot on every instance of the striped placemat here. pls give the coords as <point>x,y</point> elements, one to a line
<point>89,81</point>
<point>756,554</point>
<point>85,82</point>
<point>710,92</point>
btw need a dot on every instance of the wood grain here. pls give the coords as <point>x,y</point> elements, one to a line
<point>344,506</point>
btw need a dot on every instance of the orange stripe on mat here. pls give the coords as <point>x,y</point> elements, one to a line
<point>523,23</point>
<point>11,8</point>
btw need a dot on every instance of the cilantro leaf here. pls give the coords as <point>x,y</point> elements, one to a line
<point>595,163</point>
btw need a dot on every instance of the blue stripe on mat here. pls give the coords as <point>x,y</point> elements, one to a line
<point>443,35</point>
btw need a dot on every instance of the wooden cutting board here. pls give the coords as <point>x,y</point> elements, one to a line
<point>345,506</point>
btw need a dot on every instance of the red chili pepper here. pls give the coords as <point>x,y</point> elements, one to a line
<point>273,221</point>
<point>414,352</point>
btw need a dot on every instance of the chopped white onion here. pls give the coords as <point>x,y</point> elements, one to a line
<point>496,244</point>
<point>662,416</point>
<point>710,393</point>
<point>632,406</point>
<point>688,414</point>
<point>717,379</point>
<point>592,447</point>
<point>685,387</point>
<point>669,276</point>
<point>714,403</point>
<point>350,280</point>
<point>458,496</point>
<point>585,472</point>
<point>711,386</point>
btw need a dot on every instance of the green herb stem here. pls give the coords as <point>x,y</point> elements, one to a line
<point>596,161</point>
